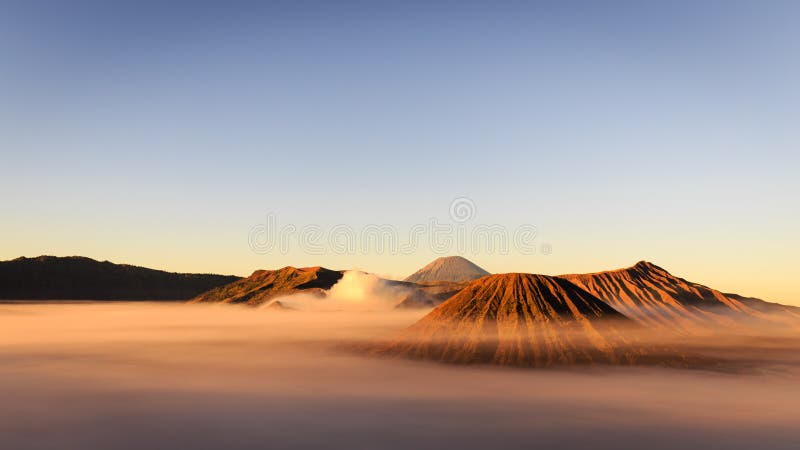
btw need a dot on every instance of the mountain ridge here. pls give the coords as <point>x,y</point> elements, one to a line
<point>652,295</point>
<point>265,285</point>
<point>48,277</point>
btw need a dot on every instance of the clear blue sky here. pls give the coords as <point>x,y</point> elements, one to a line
<point>160,134</point>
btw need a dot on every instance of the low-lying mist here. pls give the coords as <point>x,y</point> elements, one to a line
<point>355,291</point>
<point>148,375</point>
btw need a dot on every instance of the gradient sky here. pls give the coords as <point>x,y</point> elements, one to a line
<point>159,135</point>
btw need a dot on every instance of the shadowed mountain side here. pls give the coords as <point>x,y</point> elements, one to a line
<point>265,285</point>
<point>428,295</point>
<point>448,269</point>
<point>522,320</point>
<point>653,296</point>
<point>80,278</point>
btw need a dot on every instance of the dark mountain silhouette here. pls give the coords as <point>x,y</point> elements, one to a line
<point>655,297</point>
<point>448,268</point>
<point>265,285</point>
<point>521,320</point>
<point>80,278</point>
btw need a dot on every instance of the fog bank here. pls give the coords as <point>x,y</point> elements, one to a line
<point>132,376</point>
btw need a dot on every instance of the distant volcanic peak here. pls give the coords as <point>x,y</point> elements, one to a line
<point>448,268</point>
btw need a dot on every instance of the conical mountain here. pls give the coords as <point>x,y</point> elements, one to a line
<point>265,285</point>
<point>521,320</point>
<point>448,268</point>
<point>653,296</point>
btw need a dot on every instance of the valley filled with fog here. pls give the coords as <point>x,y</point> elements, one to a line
<point>145,375</point>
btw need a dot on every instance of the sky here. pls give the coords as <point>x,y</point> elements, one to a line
<point>165,134</point>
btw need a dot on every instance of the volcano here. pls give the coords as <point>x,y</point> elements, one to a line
<point>265,285</point>
<point>653,296</point>
<point>448,268</point>
<point>521,320</point>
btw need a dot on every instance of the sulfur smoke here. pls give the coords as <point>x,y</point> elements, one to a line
<point>356,291</point>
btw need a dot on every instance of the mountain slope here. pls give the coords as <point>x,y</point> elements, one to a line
<point>767,307</point>
<point>448,268</point>
<point>653,296</point>
<point>521,320</point>
<point>264,285</point>
<point>428,295</point>
<point>80,278</point>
